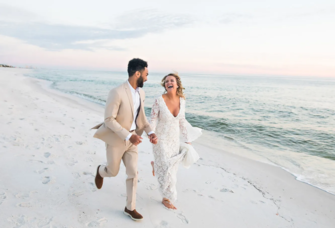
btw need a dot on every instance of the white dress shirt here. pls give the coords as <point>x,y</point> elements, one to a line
<point>135,93</point>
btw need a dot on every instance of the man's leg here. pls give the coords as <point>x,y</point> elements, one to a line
<point>130,158</point>
<point>114,156</point>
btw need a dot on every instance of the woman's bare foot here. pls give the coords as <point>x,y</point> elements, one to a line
<point>153,169</point>
<point>168,204</point>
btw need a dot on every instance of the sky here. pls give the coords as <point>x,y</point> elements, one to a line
<point>241,37</point>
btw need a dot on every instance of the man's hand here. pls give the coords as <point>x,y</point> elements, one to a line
<point>135,139</point>
<point>153,138</point>
<point>188,143</point>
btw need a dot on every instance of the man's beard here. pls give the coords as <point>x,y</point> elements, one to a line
<point>140,82</point>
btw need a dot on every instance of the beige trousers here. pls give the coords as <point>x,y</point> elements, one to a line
<point>129,155</point>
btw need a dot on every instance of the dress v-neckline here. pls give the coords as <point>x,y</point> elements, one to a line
<point>169,109</point>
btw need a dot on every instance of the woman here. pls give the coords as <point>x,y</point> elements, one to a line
<point>169,123</point>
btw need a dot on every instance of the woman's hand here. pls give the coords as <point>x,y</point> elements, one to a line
<point>188,143</point>
<point>153,138</point>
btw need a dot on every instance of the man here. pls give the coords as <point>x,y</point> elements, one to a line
<point>122,129</point>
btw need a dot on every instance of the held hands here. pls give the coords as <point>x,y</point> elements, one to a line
<point>135,139</point>
<point>153,138</point>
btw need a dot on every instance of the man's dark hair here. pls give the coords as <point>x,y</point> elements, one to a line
<point>136,65</point>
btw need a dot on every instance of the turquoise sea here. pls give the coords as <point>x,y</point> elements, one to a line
<point>286,121</point>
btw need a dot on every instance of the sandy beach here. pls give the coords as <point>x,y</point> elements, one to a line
<point>49,159</point>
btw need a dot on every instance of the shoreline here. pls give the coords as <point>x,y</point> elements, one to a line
<point>263,160</point>
<point>46,135</point>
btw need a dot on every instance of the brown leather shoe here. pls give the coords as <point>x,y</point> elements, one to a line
<point>99,180</point>
<point>134,215</point>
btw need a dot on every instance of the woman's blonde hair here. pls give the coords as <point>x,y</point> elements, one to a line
<point>180,88</point>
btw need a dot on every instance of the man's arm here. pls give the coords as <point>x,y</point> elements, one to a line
<point>112,108</point>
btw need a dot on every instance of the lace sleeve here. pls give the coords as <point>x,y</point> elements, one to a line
<point>154,115</point>
<point>183,123</point>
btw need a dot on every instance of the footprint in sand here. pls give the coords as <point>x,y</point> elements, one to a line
<point>76,175</point>
<point>42,170</point>
<point>17,141</point>
<point>226,190</point>
<point>2,197</point>
<point>77,194</point>
<point>140,180</point>
<point>163,224</point>
<point>88,173</point>
<point>49,146</point>
<point>24,195</point>
<point>51,162</point>
<point>25,204</point>
<point>152,187</point>
<point>97,223</point>
<point>80,143</point>
<point>47,154</point>
<point>46,180</point>
<point>183,218</point>
<point>26,221</point>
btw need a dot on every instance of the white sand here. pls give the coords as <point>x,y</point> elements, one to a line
<point>49,159</point>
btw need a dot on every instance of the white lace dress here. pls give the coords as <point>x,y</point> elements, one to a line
<point>169,130</point>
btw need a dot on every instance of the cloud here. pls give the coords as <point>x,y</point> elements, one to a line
<point>98,44</point>
<point>13,14</point>
<point>59,37</point>
<point>152,20</point>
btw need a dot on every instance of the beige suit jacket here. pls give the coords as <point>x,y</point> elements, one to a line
<point>119,116</point>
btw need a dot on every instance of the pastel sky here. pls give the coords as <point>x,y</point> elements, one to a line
<point>240,37</point>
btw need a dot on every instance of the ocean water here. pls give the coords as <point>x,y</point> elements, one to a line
<point>286,121</point>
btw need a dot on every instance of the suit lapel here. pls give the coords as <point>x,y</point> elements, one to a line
<point>130,98</point>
